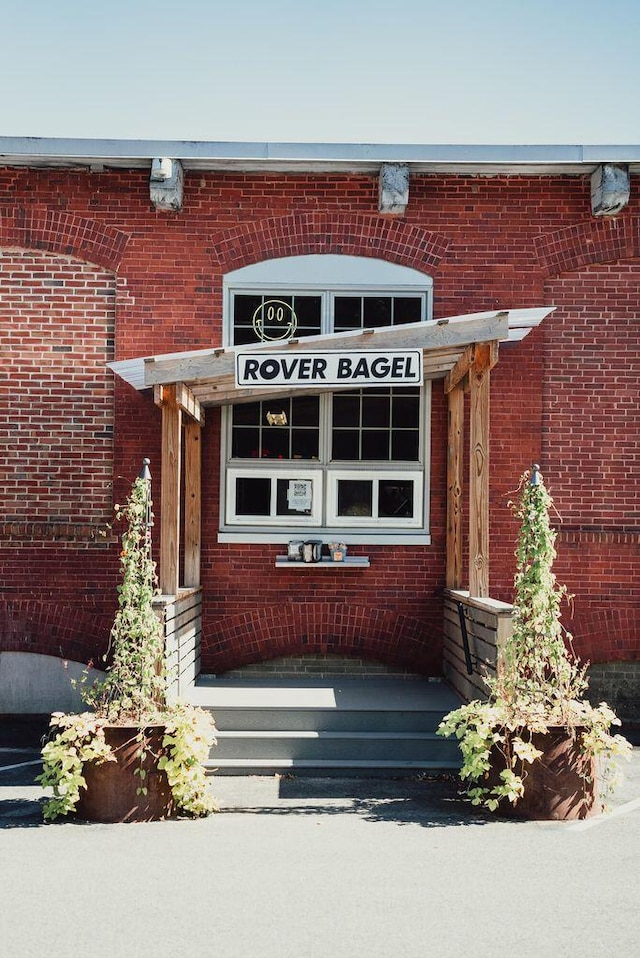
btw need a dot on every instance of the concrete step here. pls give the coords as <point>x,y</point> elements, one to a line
<point>312,726</point>
<point>329,704</point>
<point>329,720</point>
<point>326,768</point>
<point>340,746</point>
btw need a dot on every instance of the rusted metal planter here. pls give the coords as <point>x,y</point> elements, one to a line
<point>112,795</point>
<point>559,786</point>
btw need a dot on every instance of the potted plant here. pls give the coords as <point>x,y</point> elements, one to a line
<point>537,748</point>
<point>134,756</point>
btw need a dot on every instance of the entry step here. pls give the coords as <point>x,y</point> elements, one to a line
<point>247,766</point>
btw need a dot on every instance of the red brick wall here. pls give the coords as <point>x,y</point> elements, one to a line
<point>487,242</point>
<point>591,442</point>
<point>58,323</point>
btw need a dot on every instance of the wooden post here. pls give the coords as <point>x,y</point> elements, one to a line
<point>170,493</point>
<point>479,377</point>
<point>192,503</point>
<point>454,488</point>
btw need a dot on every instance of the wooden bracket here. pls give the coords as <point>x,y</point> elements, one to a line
<point>479,356</point>
<point>183,398</point>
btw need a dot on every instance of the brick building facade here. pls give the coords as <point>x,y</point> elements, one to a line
<point>91,271</point>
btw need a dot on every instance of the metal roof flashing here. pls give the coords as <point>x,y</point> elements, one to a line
<point>478,159</point>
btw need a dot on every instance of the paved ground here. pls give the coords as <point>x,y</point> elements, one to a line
<point>314,868</point>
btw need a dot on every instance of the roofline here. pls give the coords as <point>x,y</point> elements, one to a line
<point>356,157</point>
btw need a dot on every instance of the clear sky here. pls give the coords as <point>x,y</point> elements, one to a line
<point>414,71</point>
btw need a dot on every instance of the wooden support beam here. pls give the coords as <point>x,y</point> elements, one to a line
<point>460,370</point>
<point>184,399</point>
<point>454,488</point>
<point>467,360</point>
<point>189,404</point>
<point>479,380</point>
<point>192,502</point>
<point>170,497</point>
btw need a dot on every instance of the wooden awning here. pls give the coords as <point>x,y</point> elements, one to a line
<point>209,374</point>
<point>460,349</point>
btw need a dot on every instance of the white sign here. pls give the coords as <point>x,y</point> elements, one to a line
<point>299,495</point>
<point>400,367</point>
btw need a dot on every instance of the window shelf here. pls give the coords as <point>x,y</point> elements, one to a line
<point>350,562</point>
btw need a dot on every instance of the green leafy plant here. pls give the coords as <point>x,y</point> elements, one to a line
<point>539,684</point>
<point>133,690</point>
<point>134,687</point>
<point>78,739</point>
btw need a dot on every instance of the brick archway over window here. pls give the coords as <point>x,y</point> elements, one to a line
<point>329,628</point>
<point>596,241</point>
<point>301,235</point>
<point>58,232</point>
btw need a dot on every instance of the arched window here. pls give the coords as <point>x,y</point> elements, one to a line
<point>351,464</point>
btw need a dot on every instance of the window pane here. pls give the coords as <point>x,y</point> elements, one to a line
<point>273,322</point>
<point>277,440</point>
<point>305,444</point>
<point>253,497</point>
<point>346,409</point>
<point>406,412</point>
<point>405,445</point>
<point>375,410</point>
<point>375,444</point>
<point>275,443</point>
<point>377,311</point>
<point>347,313</point>
<point>395,499</point>
<point>247,414</point>
<point>305,411</point>
<point>276,413</point>
<point>296,493</point>
<point>406,391</point>
<point>270,317</point>
<point>388,421</point>
<point>243,310</point>
<point>246,443</point>
<point>346,444</point>
<point>407,309</point>
<point>355,497</point>
<point>307,310</point>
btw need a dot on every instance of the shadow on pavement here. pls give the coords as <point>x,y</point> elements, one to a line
<point>428,802</point>
<point>21,813</point>
<point>23,731</point>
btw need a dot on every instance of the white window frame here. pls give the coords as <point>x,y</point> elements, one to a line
<point>327,276</point>
<point>290,472</point>
<point>375,476</point>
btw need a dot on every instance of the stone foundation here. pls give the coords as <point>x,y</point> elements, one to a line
<point>617,684</point>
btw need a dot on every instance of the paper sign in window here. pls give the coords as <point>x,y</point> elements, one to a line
<point>299,495</point>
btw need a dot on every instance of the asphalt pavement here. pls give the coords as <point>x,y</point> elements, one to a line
<point>317,868</point>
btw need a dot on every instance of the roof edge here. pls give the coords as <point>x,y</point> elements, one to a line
<point>213,154</point>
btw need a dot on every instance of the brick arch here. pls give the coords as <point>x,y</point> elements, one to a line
<point>329,628</point>
<point>50,628</point>
<point>352,235</point>
<point>595,241</point>
<point>56,231</point>
<point>606,635</point>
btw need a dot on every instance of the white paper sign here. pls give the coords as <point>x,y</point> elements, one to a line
<point>299,495</point>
